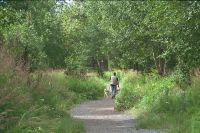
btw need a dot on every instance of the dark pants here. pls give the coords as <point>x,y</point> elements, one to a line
<point>114,89</point>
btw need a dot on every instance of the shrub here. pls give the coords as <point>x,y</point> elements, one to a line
<point>161,103</point>
<point>14,100</point>
<point>129,93</point>
<point>35,102</point>
<point>87,88</point>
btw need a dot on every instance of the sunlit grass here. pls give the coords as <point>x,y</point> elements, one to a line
<point>158,103</point>
<point>41,101</point>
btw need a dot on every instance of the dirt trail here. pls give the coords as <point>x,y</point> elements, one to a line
<point>99,117</point>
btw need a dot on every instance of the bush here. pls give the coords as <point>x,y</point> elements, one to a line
<point>161,103</point>
<point>129,93</point>
<point>35,102</point>
<point>86,88</point>
<point>14,99</point>
<point>143,91</point>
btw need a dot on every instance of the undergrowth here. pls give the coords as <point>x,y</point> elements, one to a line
<point>160,103</point>
<point>39,102</point>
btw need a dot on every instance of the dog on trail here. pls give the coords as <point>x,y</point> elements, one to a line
<point>107,91</point>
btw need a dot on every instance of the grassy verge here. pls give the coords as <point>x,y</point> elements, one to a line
<point>40,102</point>
<point>160,103</point>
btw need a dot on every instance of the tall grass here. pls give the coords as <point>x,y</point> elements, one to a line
<point>160,103</point>
<point>40,102</point>
<point>87,88</point>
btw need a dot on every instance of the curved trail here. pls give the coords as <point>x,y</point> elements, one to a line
<point>99,117</point>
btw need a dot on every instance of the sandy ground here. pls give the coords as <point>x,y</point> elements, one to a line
<point>99,117</point>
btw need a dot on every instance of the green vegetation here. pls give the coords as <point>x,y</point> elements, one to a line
<point>157,39</point>
<point>160,103</point>
<point>40,102</point>
<point>101,35</point>
<point>89,88</point>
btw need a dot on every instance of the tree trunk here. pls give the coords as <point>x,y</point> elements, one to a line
<point>104,64</point>
<point>1,40</point>
<point>160,63</point>
<point>99,68</point>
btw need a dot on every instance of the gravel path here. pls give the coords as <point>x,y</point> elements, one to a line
<point>99,117</point>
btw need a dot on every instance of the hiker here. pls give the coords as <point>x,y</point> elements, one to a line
<point>114,82</point>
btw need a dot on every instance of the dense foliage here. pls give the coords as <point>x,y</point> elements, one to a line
<point>160,103</point>
<point>159,37</point>
<point>83,35</point>
<point>40,102</point>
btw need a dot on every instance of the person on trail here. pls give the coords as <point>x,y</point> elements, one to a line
<point>114,82</point>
